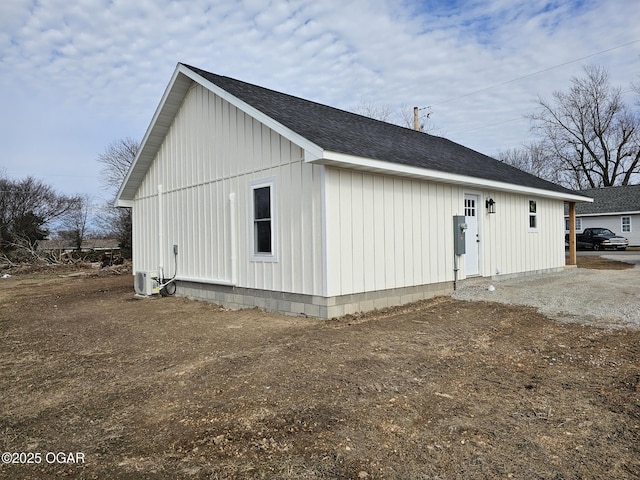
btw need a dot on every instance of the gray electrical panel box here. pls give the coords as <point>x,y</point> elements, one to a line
<point>459,234</point>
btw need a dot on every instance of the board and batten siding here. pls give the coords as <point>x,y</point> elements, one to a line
<point>386,232</point>
<point>508,246</point>
<point>211,151</point>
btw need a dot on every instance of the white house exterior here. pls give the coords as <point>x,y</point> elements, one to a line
<point>615,208</point>
<point>255,198</point>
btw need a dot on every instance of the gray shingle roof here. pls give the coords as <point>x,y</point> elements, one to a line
<point>344,132</point>
<point>611,200</point>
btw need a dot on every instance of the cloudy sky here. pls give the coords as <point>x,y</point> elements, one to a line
<point>75,76</point>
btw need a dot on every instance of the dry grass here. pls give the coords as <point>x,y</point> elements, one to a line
<point>171,388</point>
<point>600,263</point>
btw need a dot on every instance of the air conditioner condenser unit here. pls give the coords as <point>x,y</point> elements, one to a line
<point>146,283</point>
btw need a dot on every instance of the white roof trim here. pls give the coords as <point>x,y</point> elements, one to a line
<point>253,112</point>
<point>389,168</point>
<point>608,214</point>
<point>169,105</point>
<point>182,79</point>
<point>156,131</point>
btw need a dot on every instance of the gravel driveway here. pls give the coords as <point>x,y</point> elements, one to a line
<point>603,298</point>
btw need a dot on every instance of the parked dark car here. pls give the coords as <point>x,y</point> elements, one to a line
<point>600,239</point>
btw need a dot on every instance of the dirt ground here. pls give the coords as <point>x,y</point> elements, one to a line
<point>97,384</point>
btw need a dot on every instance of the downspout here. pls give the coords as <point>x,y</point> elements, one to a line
<point>160,235</point>
<point>233,234</point>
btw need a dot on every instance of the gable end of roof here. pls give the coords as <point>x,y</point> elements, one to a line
<point>327,133</point>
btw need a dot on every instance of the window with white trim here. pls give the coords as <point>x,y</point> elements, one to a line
<point>533,215</point>
<point>578,224</point>
<point>263,222</point>
<point>626,225</point>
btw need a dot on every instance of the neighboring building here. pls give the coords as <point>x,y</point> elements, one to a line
<point>273,201</point>
<point>88,245</point>
<point>615,208</point>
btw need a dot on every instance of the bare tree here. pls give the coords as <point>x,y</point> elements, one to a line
<point>592,133</point>
<point>368,109</point>
<point>74,226</point>
<point>116,161</point>
<point>28,209</point>
<point>115,222</point>
<point>635,88</point>
<point>534,158</point>
<point>403,117</point>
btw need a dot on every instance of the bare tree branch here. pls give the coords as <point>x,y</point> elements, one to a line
<point>379,112</point>
<point>591,131</point>
<point>116,161</point>
<point>28,209</point>
<point>75,225</point>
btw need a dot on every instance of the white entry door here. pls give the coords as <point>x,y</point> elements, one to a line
<point>472,239</point>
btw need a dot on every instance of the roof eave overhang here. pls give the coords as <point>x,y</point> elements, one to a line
<point>160,123</point>
<point>608,214</point>
<point>342,160</point>
<point>182,79</point>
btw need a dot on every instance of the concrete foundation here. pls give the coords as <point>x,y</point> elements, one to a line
<point>309,305</point>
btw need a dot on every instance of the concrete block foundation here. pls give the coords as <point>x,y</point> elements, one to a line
<point>309,305</point>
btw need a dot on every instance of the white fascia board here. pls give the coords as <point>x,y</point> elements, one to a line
<point>123,203</point>
<point>166,110</point>
<point>380,166</point>
<point>312,156</point>
<point>148,147</point>
<point>314,150</point>
<point>608,214</point>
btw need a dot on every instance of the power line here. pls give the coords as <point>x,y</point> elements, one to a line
<point>536,73</point>
<point>486,126</point>
<point>522,77</point>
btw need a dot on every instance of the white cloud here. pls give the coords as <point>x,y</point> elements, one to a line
<point>99,67</point>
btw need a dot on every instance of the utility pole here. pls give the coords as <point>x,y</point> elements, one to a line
<point>416,117</point>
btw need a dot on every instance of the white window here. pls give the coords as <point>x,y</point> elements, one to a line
<point>533,215</point>
<point>626,224</point>
<point>263,221</point>
<point>469,207</point>
<point>578,224</point>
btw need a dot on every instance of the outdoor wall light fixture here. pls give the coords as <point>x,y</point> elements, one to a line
<point>491,205</point>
